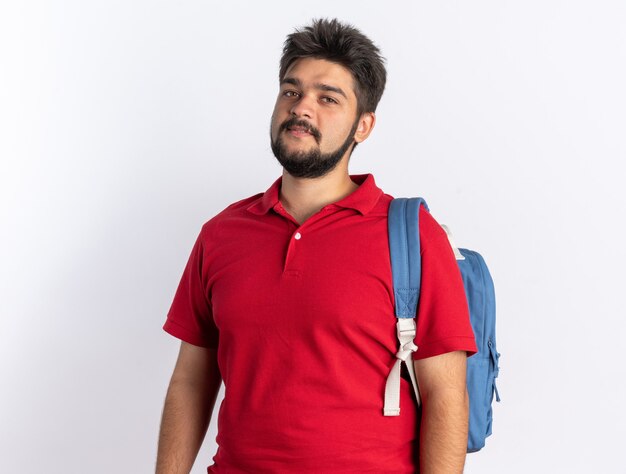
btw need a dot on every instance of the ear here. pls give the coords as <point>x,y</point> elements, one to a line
<point>365,126</point>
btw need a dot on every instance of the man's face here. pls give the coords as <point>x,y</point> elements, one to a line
<point>314,119</point>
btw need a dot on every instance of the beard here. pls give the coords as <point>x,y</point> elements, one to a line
<point>311,163</point>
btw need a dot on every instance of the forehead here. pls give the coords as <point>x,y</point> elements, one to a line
<point>311,71</point>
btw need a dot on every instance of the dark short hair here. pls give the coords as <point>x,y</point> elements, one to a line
<point>345,45</point>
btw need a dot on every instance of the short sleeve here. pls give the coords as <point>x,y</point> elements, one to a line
<point>443,323</point>
<point>190,317</point>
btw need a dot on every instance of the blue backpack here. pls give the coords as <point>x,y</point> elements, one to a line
<point>482,367</point>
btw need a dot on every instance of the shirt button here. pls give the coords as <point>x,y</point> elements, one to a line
<point>298,236</point>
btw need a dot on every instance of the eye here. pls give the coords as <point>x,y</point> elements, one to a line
<point>329,100</point>
<point>290,93</point>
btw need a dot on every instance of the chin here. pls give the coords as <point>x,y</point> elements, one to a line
<point>298,148</point>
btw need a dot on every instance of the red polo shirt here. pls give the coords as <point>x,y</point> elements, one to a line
<point>303,319</point>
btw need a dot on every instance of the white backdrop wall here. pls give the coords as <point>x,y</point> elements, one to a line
<point>125,125</point>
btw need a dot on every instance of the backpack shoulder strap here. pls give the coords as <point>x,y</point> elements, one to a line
<point>404,249</point>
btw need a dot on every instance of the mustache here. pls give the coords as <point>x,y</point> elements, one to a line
<point>295,122</point>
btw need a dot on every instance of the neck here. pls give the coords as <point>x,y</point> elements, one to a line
<point>303,197</point>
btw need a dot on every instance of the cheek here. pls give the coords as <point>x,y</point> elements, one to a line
<point>274,123</point>
<point>337,132</point>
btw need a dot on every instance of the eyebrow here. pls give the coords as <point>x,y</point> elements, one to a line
<point>319,86</point>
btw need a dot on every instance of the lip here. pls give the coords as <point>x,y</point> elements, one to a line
<point>298,132</point>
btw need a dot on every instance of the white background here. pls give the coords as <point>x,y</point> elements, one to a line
<point>125,125</point>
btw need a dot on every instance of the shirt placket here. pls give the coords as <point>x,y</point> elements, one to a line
<point>297,239</point>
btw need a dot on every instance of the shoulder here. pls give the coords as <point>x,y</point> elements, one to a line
<point>236,210</point>
<point>432,235</point>
<point>381,208</point>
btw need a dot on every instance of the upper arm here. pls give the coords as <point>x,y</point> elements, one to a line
<point>197,365</point>
<point>442,322</point>
<point>444,373</point>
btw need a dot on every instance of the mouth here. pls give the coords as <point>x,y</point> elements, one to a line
<point>299,131</point>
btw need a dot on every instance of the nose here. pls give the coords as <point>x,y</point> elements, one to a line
<point>303,107</point>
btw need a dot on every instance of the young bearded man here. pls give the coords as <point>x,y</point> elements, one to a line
<point>287,297</point>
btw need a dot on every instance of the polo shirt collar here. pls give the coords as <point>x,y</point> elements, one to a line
<point>363,199</point>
